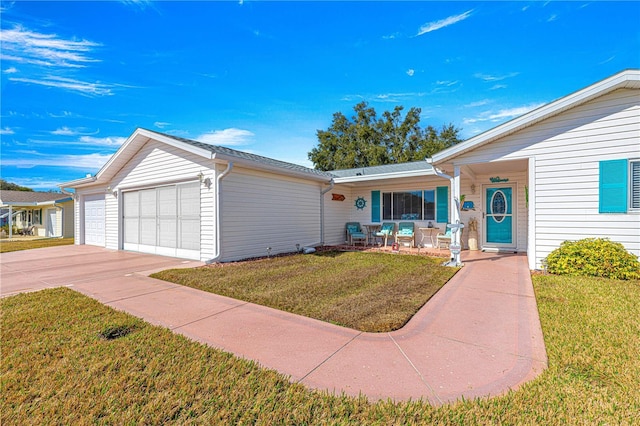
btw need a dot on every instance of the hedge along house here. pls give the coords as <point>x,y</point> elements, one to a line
<point>565,171</point>
<point>534,182</point>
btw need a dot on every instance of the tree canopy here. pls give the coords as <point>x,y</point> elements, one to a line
<point>8,186</point>
<point>367,140</point>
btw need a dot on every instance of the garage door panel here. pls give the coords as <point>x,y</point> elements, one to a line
<point>94,219</point>
<point>164,220</point>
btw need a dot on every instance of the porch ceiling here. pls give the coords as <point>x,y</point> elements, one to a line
<point>497,167</point>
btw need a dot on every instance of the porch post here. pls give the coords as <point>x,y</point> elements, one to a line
<point>10,221</point>
<point>455,202</point>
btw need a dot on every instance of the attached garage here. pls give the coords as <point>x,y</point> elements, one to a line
<point>163,220</point>
<point>94,219</point>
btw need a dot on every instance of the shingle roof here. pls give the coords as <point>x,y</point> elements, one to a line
<point>29,197</point>
<point>216,149</point>
<point>389,168</point>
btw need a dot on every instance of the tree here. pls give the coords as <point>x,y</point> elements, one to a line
<point>8,186</point>
<point>367,140</point>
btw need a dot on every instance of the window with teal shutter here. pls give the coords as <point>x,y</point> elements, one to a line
<point>442,204</point>
<point>375,206</point>
<point>613,192</point>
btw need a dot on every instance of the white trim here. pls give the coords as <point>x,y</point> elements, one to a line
<point>380,176</point>
<point>531,232</point>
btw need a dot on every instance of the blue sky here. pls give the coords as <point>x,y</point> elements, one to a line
<point>79,77</point>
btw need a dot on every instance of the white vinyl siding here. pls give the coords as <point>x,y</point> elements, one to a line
<point>261,210</point>
<point>567,150</point>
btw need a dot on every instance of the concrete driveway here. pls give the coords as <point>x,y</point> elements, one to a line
<point>31,270</point>
<point>479,336</point>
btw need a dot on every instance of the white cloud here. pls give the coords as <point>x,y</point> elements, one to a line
<point>161,124</point>
<point>477,103</point>
<point>227,137</point>
<point>552,18</point>
<point>25,46</point>
<point>411,72</point>
<point>82,87</point>
<point>6,131</point>
<point>107,141</point>
<point>442,23</point>
<point>447,83</point>
<point>64,131</point>
<point>489,77</point>
<point>498,86</point>
<point>502,114</point>
<point>10,70</point>
<point>88,161</point>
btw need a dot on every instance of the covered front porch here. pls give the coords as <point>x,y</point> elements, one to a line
<point>495,195</point>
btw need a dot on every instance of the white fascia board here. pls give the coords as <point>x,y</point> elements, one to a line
<point>78,182</point>
<point>256,165</point>
<point>205,153</point>
<point>621,80</point>
<point>382,176</point>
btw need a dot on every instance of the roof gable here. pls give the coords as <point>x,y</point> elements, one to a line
<point>628,79</point>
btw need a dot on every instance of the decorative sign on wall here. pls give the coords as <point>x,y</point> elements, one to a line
<point>498,179</point>
<point>337,197</point>
<point>361,203</point>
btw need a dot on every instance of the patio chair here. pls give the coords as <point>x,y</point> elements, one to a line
<point>27,231</point>
<point>444,238</point>
<point>406,233</point>
<point>385,231</point>
<point>355,233</point>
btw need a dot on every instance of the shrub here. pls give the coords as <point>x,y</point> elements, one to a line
<point>595,257</point>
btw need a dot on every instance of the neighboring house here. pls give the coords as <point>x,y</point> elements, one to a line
<point>50,213</point>
<point>565,171</point>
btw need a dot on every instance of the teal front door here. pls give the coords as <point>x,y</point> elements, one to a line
<point>499,217</point>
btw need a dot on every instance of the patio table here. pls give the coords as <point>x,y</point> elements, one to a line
<point>371,229</point>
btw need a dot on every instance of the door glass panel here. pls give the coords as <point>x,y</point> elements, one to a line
<point>498,206</point>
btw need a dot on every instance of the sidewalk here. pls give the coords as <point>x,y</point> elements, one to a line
<point>478,336</point>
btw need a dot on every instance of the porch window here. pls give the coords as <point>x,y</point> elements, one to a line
<point>634,172</point>
<point>37,217</point>
<point>409,205</point>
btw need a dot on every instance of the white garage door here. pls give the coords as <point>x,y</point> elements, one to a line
<point>94,220</point>
<point>164,220</point>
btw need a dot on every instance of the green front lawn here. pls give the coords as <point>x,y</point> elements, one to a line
<point>372,292</point>
<point>7,246</point>
<point>57,368</point>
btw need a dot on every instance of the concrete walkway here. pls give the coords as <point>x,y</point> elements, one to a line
<point>479,336</point>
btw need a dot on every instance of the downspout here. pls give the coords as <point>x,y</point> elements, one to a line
<point>454,247</point>
<point>322,193</point>
<point>221,176</point>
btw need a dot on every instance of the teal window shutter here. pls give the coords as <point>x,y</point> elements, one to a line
<point>442,204</point>
<point>613,191</point>
<point>375,206</point>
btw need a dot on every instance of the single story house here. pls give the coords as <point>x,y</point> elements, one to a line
<point>49,214</point>
<point>565,171</point>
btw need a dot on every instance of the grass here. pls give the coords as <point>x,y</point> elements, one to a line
<point>372,292</point>
<point>59,368</point>
<point>7,246</point>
